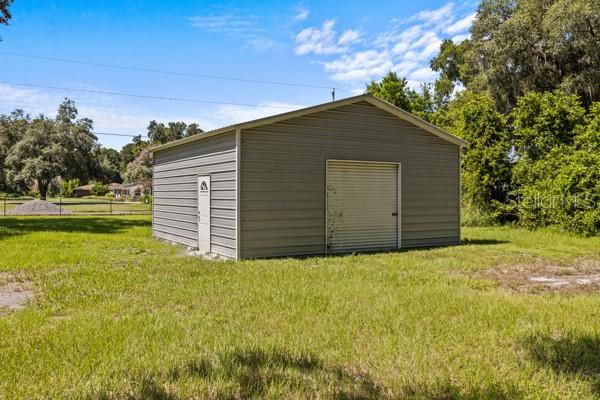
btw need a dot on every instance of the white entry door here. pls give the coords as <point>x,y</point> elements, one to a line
<point>363,207</point>
<point>204,214</point>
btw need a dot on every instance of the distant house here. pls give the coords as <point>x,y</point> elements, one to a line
<point>85,190</point>
<point>132,189</point>
<point>116,189</point>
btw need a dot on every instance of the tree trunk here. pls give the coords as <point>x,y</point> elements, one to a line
<point>43,188</point>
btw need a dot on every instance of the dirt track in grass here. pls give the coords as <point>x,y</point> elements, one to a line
<point>14,292</point>
<point>579,276</point>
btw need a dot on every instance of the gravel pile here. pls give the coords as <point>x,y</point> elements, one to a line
<point>37,207</point>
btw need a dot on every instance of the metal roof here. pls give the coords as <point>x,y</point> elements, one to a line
<point>85,187</point>
<point>375,101</point>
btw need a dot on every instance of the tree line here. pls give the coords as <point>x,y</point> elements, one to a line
<point>56,154</point>
<point>524,90</point>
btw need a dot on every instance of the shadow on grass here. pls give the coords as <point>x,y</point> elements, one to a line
<point>449,391</point>
<point>256,374</point>
<point>19,226</point>
<point>464,242</point>
<point>482,242</point>
<point>577,356</point>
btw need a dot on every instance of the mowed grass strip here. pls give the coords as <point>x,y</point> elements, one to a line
<point>120,315</point>
<point>87,206</point>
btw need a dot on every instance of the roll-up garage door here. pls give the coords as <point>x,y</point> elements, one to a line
<point>362,206</point>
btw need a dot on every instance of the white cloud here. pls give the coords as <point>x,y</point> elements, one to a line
<point>18,97</point>
<point>260,43</point>
<point>401,48</point>
<point>413,84</point>
<point>410,35</point>
<point>318,40</point>
<point>461,25</point>
<point>232,114</point>
<point>409,55</point>
<point>359,66</point>
<point>324,40</point>
<point>439,15</point>
<point>301,13</point>
<point>406,67</point>
<point>423,74</point>
<point>348,37</point>
<point>431,49</point>
<point>460,38</point>
<point>406,36</point>
<point>226,23</point>
<point>235,26</point>
<point>406,47</point>
<point>425,40</point>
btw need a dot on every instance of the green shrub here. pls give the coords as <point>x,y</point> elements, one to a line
<point>67,187</point>
<point>485,164</point>
<point>544,121</point>
<point>146,198</point>
<point>53,190</point>
<point>10,195</point>
<point>99,189</point>
<point>473,216</point>
<point>562,189</point>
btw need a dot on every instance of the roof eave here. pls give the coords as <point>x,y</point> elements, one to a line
<point>377,102</point>
<point>263,121</point>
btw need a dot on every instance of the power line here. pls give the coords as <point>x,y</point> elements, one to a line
<point>143,96</point>
<point>117,134</point>
<point>161,71</point>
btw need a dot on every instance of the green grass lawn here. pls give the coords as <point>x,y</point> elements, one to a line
<point>84,206</point>
<point>118,314</point>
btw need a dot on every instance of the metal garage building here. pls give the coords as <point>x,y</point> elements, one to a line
<point>349,175</point>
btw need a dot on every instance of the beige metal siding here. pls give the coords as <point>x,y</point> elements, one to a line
<point>283,178</point>
<point>176,172</point>
<point>362,206</point>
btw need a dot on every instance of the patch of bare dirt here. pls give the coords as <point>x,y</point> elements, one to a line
<point>14,292</point>
<point>542,276</point>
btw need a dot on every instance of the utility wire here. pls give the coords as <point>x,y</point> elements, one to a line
<point>143,96</point>
<point>117,134</point>
<point>161,71</point>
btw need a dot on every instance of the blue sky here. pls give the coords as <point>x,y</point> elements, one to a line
<point>332,44</point>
